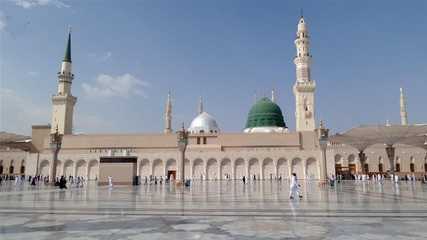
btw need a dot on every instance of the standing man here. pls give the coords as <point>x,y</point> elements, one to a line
<point>294,187</point>
<point>110,181</point>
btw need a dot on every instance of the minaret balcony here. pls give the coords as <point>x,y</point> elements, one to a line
<point>307,86</point>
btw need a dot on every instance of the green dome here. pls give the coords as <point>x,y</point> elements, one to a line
<point>265,113</point>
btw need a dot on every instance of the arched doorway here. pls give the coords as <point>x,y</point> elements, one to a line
<point>144,169</point>
<point>282,168</point>
<point>11,168</point>
<point>44,168</point>
<point>68,168</point>
<point>312,169</point>
<point>254,168</point>
<point>198,169</point>
<point>239,168</point>
<point>158,169</point>
<point>171,169</point>
<point>81,170</point>
<point>268,169</point>
<point>93,170</point>
<point>297,167</point>
<point>212,169</point>
<point>226,169</point>
<point>22,170</point>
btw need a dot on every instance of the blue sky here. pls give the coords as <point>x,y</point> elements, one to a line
<point>128,54</point>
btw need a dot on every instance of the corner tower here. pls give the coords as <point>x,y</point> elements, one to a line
<point>63,102</point>
<point>304,86</point>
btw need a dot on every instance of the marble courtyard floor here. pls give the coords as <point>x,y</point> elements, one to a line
<point>215,210</point>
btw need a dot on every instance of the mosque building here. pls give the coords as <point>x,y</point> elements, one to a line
<point>266,149</point>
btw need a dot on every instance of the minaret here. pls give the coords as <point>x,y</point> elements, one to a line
<point>200,105</point>
<point>403,112</point>
<point>63,102</point>
<point>304,86</point>
<point>168,115</point>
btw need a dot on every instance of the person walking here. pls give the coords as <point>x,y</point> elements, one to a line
<point>294,187</point>
<point>110,181</point>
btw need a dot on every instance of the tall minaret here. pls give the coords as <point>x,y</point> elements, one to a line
<point>304,86</point>
<point>63,102</point>
<point>403,112</point>
<point>200,105</point>
<point>168,115</point>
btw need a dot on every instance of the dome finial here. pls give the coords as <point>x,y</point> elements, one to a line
<point>302,13</point>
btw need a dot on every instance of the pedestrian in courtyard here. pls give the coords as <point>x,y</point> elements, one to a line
<point>63,183</point>
<point>110,181</point>
<point>244,179</point>
<point>33,182</point>
<point>294,187</point>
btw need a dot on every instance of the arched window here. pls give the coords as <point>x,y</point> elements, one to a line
<point>380,167</point>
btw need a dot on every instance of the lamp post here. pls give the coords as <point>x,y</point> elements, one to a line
<point>182,146</point>
<point>323,143</point>
<point>55,145</point>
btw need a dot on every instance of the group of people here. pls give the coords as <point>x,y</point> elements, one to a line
<point>39,179</point>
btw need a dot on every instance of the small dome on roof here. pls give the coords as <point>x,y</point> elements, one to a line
<point>203,123</point>
<point>265,115</point>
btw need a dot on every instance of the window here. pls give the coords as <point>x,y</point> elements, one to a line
<point>204,140</point>
<point>380,167</point>
<point>198,140</point>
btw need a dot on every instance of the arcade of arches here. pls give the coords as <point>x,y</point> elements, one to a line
<point>226,168</point>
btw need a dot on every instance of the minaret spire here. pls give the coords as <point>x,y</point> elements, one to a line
<point>168,114</point>
<point>67,57</point>
<point>200,105</point>
<point>403,112</point>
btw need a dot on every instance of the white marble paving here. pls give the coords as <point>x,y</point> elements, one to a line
<point>215,210</point>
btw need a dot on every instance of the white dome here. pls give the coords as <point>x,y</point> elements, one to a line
<point>203,123</point>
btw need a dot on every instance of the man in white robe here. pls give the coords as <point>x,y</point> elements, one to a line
<point>294,187</point>
<point>110,181</point>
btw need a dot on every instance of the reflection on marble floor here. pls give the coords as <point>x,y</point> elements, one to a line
<point>215,210</point>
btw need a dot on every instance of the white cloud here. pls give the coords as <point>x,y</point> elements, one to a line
<point>120,86</point>
<point>101,57</point>
<point>40,3</point>
<point>18,113</point>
